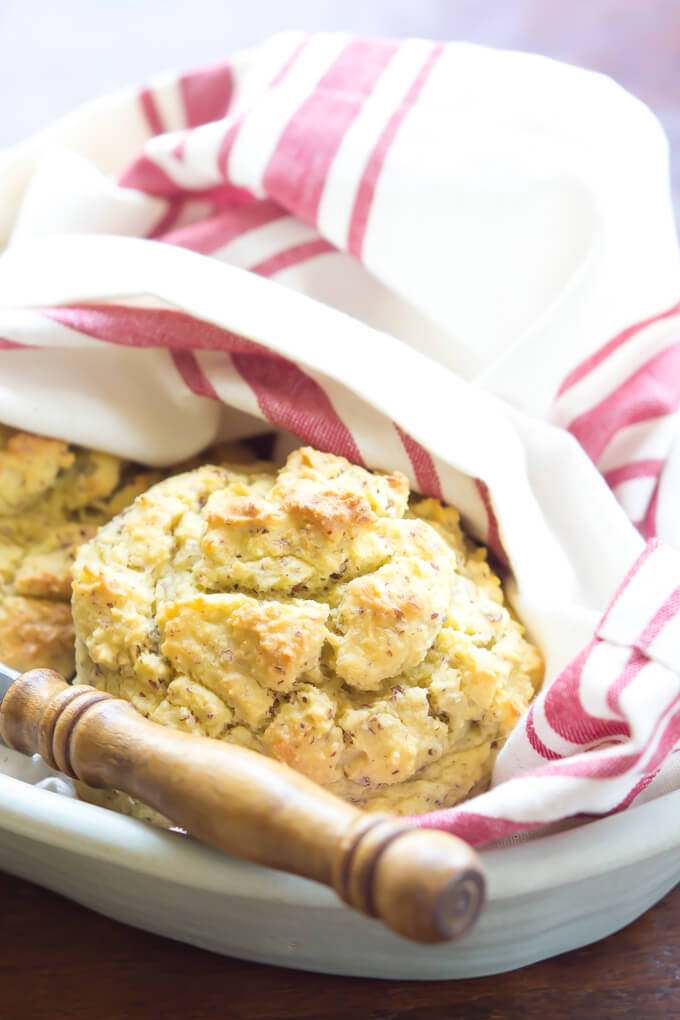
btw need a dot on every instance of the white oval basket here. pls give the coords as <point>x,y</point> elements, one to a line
<point>545,896</point>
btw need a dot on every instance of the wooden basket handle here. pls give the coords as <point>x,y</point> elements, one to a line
<point>424,884</point>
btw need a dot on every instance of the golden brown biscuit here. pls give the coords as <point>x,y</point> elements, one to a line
<point>53,497</point>
<point>36,632</point>
<point>312,614</point>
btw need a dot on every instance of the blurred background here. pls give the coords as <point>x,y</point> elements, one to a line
<point>57,55</point>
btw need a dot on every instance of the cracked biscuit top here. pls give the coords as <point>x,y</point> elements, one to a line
<point>318,614</point>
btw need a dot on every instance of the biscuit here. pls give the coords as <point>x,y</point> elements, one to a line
<point>320,614</point>
<point>53,497</point>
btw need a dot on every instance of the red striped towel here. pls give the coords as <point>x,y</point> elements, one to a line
<point>476,281</point>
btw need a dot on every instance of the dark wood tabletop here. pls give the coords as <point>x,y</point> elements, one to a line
<point>60,960</point>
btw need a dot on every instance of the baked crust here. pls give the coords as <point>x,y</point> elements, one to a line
<point>53,497</point>
<point>316,615</point>
<point>36,632</point>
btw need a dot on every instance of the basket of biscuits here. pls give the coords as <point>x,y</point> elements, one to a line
<point>337,503</point>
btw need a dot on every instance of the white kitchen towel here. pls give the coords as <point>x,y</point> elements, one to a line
<point>456,262</point>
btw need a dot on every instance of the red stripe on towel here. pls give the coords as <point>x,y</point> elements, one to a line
<point>297,170</point>
<point>366,191</point>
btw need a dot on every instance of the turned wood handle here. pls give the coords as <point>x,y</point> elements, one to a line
<point>424,884</point>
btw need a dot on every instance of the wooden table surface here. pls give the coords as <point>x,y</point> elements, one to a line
<point>64,962</point>
<point>59,960</point>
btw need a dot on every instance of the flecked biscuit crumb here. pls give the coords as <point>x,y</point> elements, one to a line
<point>53,497</point>
<point>317,614</point>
